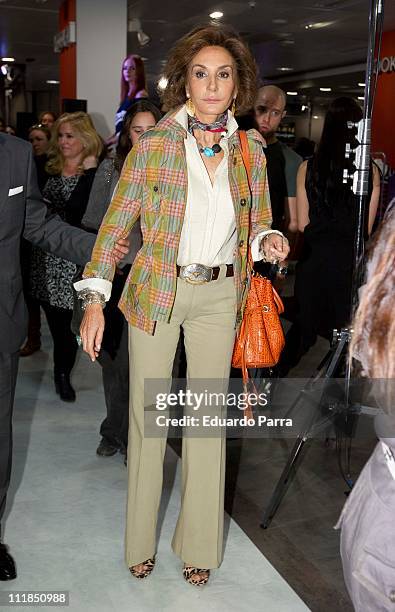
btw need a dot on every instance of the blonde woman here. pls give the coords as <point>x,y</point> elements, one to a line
<point>72,161</point>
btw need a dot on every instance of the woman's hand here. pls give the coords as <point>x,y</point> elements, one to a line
<point>121,249</point>
<point>89,162</point>
<point>275,247</point>
<point>91,330</point>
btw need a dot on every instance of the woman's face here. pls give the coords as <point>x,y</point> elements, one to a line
<point>211,82</point>
<point>69,142</point>
<point>141,122</point>
<point>129,70</point>
<point>39,142</point>
<point>48,120</point>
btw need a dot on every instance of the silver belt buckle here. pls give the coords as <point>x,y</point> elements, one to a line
<point>196,274</point>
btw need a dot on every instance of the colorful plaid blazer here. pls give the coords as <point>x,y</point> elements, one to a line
<point>153,186</point>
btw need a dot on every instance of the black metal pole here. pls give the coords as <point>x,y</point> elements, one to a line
<point>360,189</point>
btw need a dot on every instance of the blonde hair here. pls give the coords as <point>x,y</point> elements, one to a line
<point>85,132</point>
<point>373,340</point>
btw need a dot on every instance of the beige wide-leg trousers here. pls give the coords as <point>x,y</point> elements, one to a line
<point>207,314</point>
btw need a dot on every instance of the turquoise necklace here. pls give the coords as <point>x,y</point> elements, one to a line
<point>218,126</point>
<point>210,151</point>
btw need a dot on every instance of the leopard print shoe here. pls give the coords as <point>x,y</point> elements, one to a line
<point>189,572</point>
<point>148,567</point>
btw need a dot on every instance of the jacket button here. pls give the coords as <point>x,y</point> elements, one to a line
<point>392,596</point>
<point>156,188</point>
<point>243,202</point>
<point>241,243</point>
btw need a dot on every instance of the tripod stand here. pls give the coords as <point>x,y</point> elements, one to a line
<point>340,409</point>
<point>327,369</point>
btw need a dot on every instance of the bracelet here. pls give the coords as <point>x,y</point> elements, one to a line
<point>89,297</point>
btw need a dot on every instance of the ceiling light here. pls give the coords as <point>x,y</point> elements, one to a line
<point>304,107</point>
<point>318,25</point>
<point>361,97</point>
<point>8,59</point>
<point>216,15</point>
<point>315,117</point>
<point>4,70</point>
<point>361,84</point>
<point>162,83</point>
<point>134,25</point>
<point>285,69</point>
<point>279,21</point>
<point>287,41</point>
<point>52,82</point>
<point>292,93</point>
<point>325,88</point>
<point>143,38</point>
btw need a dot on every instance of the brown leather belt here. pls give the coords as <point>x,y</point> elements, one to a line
<point>197,274</point>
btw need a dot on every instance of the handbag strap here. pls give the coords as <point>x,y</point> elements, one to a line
<point>245,153</point>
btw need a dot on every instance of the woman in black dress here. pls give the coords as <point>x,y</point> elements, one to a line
<point>133,87</point>
<point>114,356</point>
<point>326,210</point>
<point>72,162</point>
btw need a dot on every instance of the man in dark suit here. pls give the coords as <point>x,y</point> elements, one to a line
<point>23,214</point>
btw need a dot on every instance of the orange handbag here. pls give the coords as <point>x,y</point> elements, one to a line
<point>260,339</point>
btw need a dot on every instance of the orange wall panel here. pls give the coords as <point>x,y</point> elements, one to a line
<point>68,56</point>
<point>383,123</point>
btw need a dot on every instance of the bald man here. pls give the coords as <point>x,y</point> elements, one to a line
<point>282,162</point>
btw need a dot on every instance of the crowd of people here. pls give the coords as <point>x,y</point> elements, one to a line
<point>174,192</point>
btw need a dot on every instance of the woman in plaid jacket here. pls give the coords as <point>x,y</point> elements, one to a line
<point>187,182</point>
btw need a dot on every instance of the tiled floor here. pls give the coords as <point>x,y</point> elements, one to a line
<point>65,513</point>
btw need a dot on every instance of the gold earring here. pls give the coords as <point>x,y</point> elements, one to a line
<point>190,107</point>
<point>233,107</point>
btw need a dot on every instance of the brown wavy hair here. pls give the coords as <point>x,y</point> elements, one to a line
<point>86,133</point>
<point>186,48</point>
<point>140,83</point>
<point>373,341</point>
<point>124,142</point>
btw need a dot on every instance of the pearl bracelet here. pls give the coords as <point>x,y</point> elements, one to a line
<point>89,297</point>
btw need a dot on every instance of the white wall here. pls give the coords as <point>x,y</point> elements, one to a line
<point>101,47</point>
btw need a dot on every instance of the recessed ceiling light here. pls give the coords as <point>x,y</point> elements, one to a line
<point>315,117</point>
<point>52,82</point>
<point>8,59</point>
<point>287,41</point>
<point>361,84</point>
<point>292,93</point>
<point>279,21</point>
<point>325,88</point>
<point>285,69</point>
<point>216,15</point>
<point>318,25</point>
<point>162,83</point>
